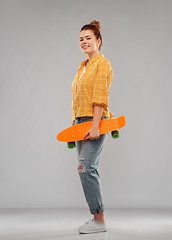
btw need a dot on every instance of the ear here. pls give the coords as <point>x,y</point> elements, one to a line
<point>98,42</point>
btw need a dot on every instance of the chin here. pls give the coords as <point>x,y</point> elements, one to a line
<point>86,51</point>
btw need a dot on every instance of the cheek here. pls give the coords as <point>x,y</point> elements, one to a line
<point>92,45</point>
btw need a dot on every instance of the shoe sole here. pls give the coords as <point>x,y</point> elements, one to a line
<point>94,231</point>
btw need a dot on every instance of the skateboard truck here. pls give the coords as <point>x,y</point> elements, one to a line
<point>71,145</point>
<point>115,134</point>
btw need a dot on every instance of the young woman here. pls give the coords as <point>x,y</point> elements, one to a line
<point>90,90</point>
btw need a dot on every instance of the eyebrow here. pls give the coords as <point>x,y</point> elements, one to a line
<point>86,36</point>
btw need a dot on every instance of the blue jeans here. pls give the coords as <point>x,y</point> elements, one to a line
<point>88,152</point>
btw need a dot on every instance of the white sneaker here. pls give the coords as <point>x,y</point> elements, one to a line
<point>93,226</point>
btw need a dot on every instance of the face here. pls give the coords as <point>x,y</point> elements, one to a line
<point>88,39</point>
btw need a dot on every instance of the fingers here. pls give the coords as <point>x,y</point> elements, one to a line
<point>94,138</point>
<point>91,138</point>
<point>86,134</point>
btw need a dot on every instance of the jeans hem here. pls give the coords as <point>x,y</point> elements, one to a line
<point>97,210</point>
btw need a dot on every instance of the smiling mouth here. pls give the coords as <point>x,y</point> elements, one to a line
<point>85,47</point>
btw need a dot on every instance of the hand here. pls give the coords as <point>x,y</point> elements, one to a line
<point>73,122</point>
<point>94,133</point>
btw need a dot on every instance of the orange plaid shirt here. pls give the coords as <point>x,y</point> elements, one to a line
<point>91,87</point>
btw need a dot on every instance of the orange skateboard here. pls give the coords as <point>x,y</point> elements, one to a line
<point>77,132</point>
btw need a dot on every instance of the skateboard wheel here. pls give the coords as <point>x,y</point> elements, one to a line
<point>71,145</point>
<point>115,134</point>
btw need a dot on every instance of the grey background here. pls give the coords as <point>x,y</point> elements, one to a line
<point>39,58</point>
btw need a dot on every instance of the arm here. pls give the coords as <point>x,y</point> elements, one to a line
<point>94,132</point>
<point>98,110</point>
<point>100,96</point>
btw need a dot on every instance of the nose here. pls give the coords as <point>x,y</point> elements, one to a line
<point>84,41</point>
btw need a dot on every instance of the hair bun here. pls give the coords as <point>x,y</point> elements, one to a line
<point>97,24</point>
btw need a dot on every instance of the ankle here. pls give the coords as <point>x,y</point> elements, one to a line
<point>99,217</point>
<point>100,220</point>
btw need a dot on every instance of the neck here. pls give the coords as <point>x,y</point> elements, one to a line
<point>92,55</point>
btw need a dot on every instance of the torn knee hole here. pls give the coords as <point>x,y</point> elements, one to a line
<point>81,168</point>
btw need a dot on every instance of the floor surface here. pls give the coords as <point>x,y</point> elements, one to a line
<point>53,223</point>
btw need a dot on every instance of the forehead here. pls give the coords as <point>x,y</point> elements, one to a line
<point>85,33</point>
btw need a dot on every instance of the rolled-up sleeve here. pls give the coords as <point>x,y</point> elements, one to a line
<point>101,84</point>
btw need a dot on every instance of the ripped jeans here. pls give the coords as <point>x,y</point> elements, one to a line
<point>88,152</point>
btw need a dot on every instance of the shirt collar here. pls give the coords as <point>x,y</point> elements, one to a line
<point>92,60</point>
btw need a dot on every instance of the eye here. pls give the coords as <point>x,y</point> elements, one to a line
<point>82,39</point>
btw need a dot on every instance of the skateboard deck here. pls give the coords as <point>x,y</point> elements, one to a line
<point>77,132</point>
